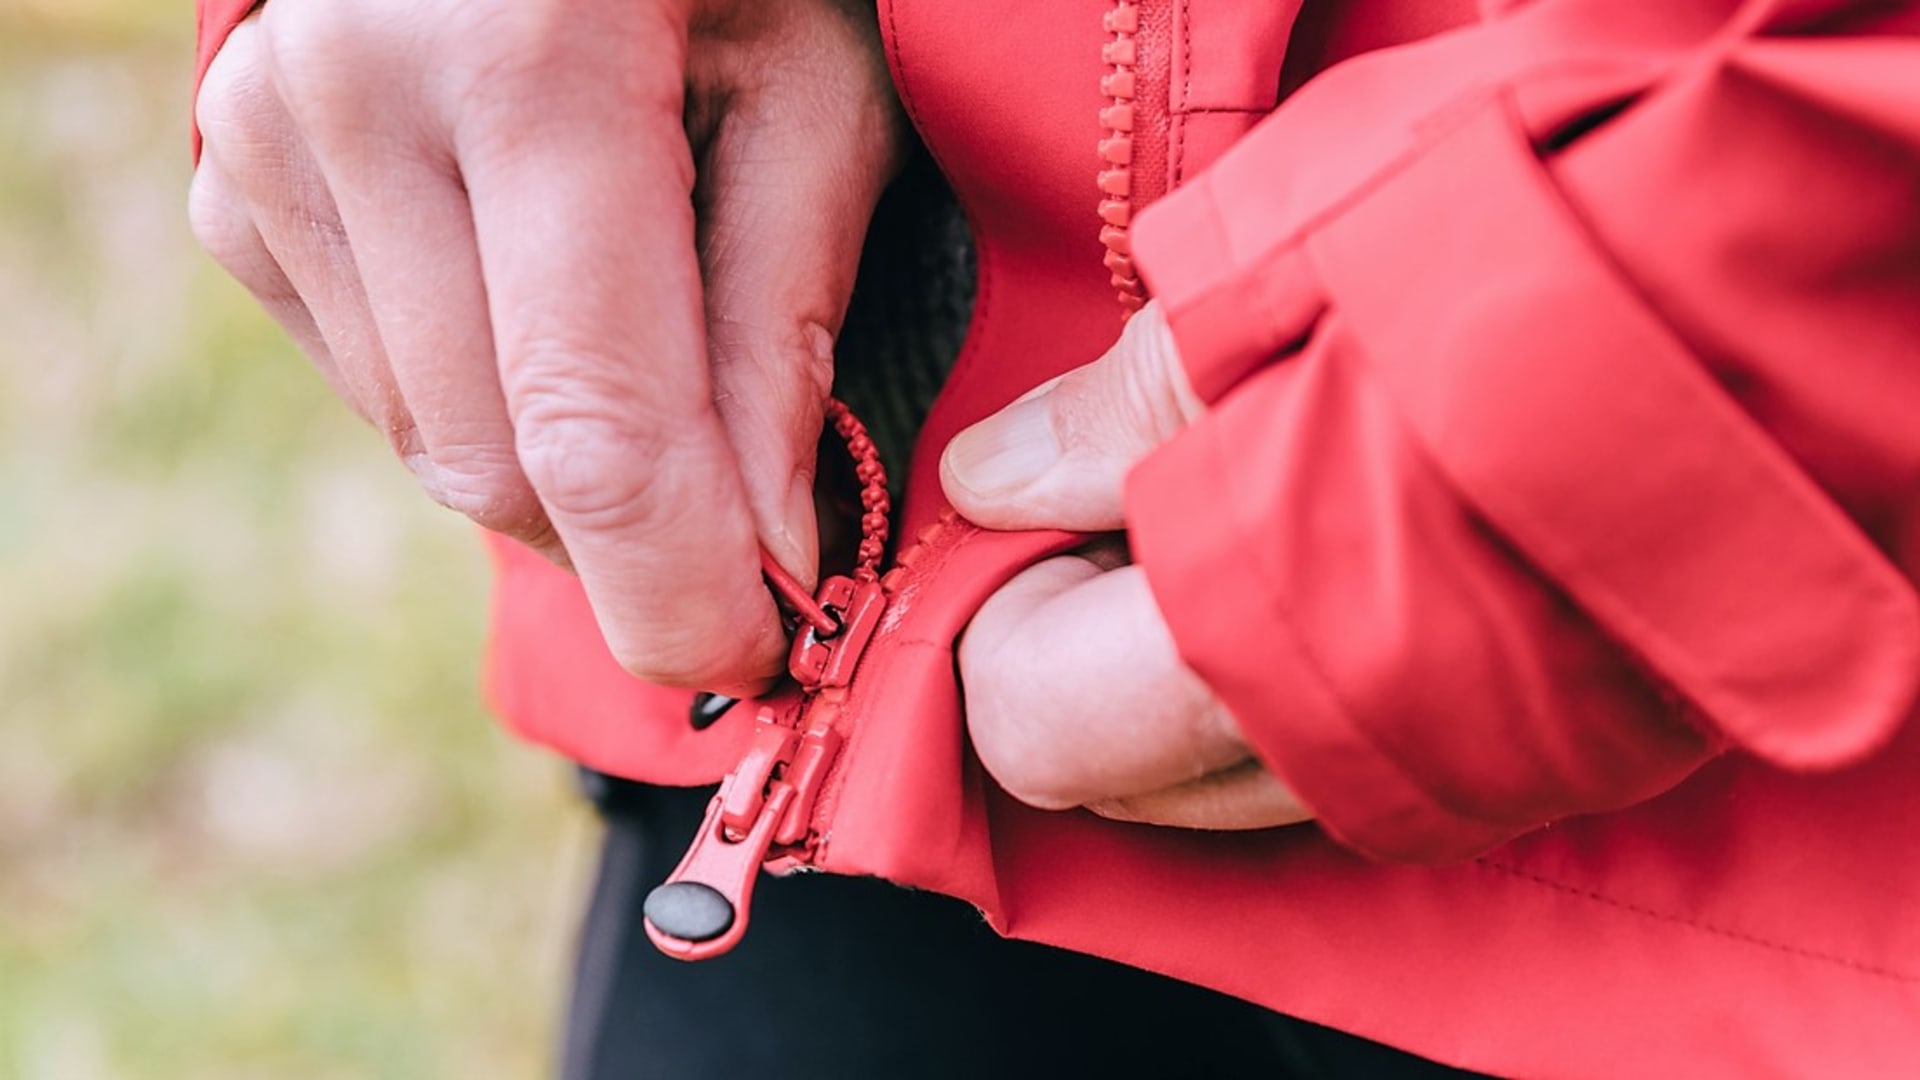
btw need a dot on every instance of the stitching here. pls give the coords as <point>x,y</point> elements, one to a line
<point>1715,929</point>
<point>1186,54</point>
<point>900,65</point>
<point>1178,115</point>
<point>1233,110</point>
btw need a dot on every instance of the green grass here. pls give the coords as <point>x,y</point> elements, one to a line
<point>254,820</point>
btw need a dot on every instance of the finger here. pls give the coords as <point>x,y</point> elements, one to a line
<point>1244,796</point>
<point>786,191</point>
<point>411,235</point>
<point>251,140</point>
<point>585,231</point>
<point>1075,694</point>
<point>1058,458</point>
<point>223,227</point>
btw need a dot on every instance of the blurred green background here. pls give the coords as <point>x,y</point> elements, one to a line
<point>254,821</point>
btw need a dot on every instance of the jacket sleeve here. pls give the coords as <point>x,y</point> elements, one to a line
<point>1563,377</point>
<point>214,20</point>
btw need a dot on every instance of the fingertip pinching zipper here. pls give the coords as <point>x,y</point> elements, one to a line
<point>763,812</point>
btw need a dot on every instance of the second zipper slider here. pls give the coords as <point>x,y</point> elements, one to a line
<point>766,803</point>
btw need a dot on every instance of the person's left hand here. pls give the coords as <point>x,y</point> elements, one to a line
<point>1075,694</point>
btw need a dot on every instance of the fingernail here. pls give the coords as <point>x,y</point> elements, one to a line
<point>792,549</point>
<point>782,535</point>
<point>1006,451</point>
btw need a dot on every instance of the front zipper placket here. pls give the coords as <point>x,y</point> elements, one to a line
<point>766,810</point>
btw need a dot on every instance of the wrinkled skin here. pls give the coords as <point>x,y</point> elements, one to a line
<point>582,262</point>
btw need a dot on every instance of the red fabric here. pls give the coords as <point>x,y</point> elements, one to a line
<point>1556,493</point>
<point>215,19</point>
<point>1521,473</point>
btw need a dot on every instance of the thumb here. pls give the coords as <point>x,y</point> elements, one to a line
<point>784,206</point>
<point>1058,457</point>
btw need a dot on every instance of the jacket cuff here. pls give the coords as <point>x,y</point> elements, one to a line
<point>1549,442</point>
<point>1232,310</point>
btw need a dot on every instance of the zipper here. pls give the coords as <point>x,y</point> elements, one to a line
<point>1141,135</point>
<point>1121,55</point>
<point>769,810</point>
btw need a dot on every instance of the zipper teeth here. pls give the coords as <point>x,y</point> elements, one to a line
<point>875,503</point>
<point>1120,53</point>
<point>911,554</point>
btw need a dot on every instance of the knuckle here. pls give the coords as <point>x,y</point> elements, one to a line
<point>565,72</point>
<point>330,66</point>
<point>236,108</point>
<point>513,43</point>
<point>532,44</point>
<point>485,485</point>
<point>590,464</point>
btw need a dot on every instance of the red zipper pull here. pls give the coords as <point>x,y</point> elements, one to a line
<point>702,909</point>
<point>764,808</point>
<point>763,811</point>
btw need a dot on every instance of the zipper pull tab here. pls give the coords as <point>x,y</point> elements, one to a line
<point>702,908</point>
<point>767,801</point>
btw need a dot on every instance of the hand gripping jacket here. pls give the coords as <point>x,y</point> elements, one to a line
<point>1552,528</point>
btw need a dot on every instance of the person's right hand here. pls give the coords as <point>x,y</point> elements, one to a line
<point>489,223</point>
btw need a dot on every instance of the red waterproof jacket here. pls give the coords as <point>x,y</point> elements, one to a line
<point>1552,531</point>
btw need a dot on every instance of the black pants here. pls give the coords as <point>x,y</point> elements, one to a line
<point>851,979</point>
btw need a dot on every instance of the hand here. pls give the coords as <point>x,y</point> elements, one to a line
<point>1075,693</point>
<point>582,262</point>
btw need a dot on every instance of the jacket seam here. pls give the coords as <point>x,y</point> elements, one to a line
<point>1177,115</point>
<point>1703,926</point>
<point>1231,110</point>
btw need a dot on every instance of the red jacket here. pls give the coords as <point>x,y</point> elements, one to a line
<point>1553,529</point>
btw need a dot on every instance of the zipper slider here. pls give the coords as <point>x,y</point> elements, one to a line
<point>821,660</point>
<point>763,812</point>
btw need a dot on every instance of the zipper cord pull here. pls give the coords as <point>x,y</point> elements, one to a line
<point>763,811</point>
